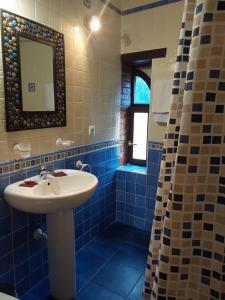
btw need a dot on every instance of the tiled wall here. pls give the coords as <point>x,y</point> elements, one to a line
<point>92,75</point>
<point>23,260</point>
<point>136,191</point>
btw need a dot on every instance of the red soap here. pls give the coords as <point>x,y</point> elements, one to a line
<point>28,183</point>
<point>59,174</point>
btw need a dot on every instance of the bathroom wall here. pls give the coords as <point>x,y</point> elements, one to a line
<point>156,26</point>
<point>92,74</point>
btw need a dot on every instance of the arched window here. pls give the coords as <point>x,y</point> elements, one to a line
<point>138,131</point>
<point>142,92</point>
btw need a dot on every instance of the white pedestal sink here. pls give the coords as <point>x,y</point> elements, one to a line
<point>56,197</point>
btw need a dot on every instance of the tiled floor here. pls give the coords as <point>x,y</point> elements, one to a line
<point>110,267</point>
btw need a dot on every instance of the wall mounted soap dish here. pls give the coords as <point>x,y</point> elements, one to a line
<point>66,143</point>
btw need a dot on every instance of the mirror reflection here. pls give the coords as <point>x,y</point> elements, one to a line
<point>37,75</point>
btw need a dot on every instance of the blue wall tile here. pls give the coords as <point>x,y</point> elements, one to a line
<point>120,185</point>
<point>7,277</point>
<point>5,227</point>
<point>129,208</point>
<point>141,189</point>
<point>154,156</point>
<point>5,245</point>
<point>130,187</point>
<point>21,253</point>
<point>138,192</point>
<point>152,181</point>
<point>19,220</point>
<point>120,216</point>
<point>153,169</point>
<point>139,223</point>
<point>129,219</point>
<point>140,201</point>
<point>141,179</point>
<point>120,206</point>
<point>130,198</point>
<point>4,181</point>
<point>35,260</point>
<point>23,286</point>
<point>6,263</point>
<point>21,271</point>
<point>20,175</point>
<point>130,177</point>
<point>120,175</point>
<point>5,209</point>
<point>139,212</point>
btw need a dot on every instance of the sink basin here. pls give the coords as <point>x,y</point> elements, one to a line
<point>53,194</point>
<point>56,197</point>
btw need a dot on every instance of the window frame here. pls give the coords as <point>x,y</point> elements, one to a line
<point>143,108</point>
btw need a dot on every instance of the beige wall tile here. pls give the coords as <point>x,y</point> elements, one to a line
<point>42,14</point>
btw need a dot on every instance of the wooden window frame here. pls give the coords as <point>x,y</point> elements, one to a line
<point>144,108</point>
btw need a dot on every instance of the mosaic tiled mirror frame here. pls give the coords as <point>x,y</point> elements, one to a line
<point>12,25</point>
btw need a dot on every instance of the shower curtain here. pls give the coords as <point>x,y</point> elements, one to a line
<point>186,259</point>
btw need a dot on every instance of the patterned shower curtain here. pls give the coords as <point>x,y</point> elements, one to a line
<point>186,259</point>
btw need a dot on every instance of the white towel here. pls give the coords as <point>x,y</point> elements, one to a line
<point>160,117</point>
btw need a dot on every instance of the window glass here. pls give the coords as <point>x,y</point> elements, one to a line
<point>140,135</point>
<point>142,93</point>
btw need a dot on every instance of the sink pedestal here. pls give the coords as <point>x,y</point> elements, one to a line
<point>61,254</point>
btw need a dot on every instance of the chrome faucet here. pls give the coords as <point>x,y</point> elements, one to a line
<point>44,172</point>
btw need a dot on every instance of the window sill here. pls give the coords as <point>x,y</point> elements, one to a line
<point>133,169</point>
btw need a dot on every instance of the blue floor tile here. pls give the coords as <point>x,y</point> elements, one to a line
<point>88,263</point>
<point>95,292</point>
<point>104,247</point>
<point>136,293</point>
<point>119,279</point>
<point>80,282</point>
<point>140,238</point>
<point>131,256</point>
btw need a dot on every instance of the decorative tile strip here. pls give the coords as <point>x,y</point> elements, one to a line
<point>17,165</point>
<point>155,145</point>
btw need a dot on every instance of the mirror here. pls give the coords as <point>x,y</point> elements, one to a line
<point>37,91</point>
<point>34,74</point>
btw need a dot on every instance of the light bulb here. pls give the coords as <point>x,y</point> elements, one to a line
<point>94,23</point>
<point>77,29</point>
